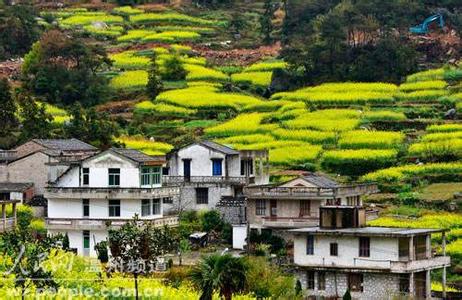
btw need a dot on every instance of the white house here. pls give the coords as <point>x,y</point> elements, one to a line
<point>211,174</point>
<point>370,262</point>
<point>108,188</point>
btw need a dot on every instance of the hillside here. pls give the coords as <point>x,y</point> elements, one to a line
<point>406,135</point>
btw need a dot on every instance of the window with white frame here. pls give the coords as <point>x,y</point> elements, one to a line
<point>150,207</point>
<point>145,207</point>
<point>114,176</point>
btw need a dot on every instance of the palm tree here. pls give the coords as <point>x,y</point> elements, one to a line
<point>222,273</point>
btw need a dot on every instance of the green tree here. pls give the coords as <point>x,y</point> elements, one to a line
<point>18,30</point>
<point>138,244</point>
<point>7,114</point>
<point>266,21</point>
<point>63,69</point>
<point>91,126</point>
<point>222,273</point>
<point>154,86</point>
<point>212,221</point>
<point>174,69</point>
<point>35,121</point>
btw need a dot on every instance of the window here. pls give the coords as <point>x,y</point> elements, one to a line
<point>145,207</point>
<point>333,249</point>
<point>305,208</point>
<point>364,247</point>
<point>217,167</point>
<point>260,207</point>
<point>156,206</point>
<point>309,245</point>
<point>114,177</point>
<point>86,239</point>
<point>114,208</point>
<point>246,167</point>
<point>167,200</point>
<point>321,281</point>
<point>353,200</point>
<point>150,176</point>
<point>310,280</point>
<point>355,282</point>
<point>85,176</point>
<point>404,283</point>
<point>86,207</point>
<point>202,195</point>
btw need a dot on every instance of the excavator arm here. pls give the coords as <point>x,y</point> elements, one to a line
<point>423,28</point>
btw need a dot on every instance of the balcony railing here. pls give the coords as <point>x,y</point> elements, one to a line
<point>289,222</point>
<point>7,224</point>
<point>110,192</point>
<point>309,192</point>
<point>180,180</point>
<point>7,155</point>
<point>377,264</point>
<point>102,224</point>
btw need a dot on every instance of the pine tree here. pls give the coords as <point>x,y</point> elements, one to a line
<point>154,86</point>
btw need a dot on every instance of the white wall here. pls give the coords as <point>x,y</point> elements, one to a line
<point>382,249</point>
<point>239,236</point>
<point>70,179</point>
<point>99,209</point>
<point>76,239</point>
<point>201,160</point>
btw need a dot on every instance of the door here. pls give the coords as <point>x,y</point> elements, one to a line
<point>187,169</point>
<point>273,208</point>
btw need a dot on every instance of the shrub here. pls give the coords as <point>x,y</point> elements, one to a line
<point>445,149</point>
<point>423,85</point>
<point>312,136</point>
<point>144,145</point>
<point>444,128</point>
<point>212,221</point>
<point>130,80</point>
<point>358,139</point>
<point>173,69</point>
<point>169,18</point>
<point>382,115</point>
<point>290,156</point>
<point>171,36</point>
<point>422,95</point>
<point>196,72</point>
<point>247,139</point>
<point>203,97</point>
<point>37,227</point>
<point>266,66</point>
<point>435,74</point>
<point>242,124</point>
<point>357,162</point>
<point>407,172</point>
<point>24,215</point>
<point>262,79</point>
<point>164,109</point>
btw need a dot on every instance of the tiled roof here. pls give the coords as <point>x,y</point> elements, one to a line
<point>14,186</point>
<point>321,180</point>
<point>138,156</point>
<point>218,147</point>
<point>367,231</point>
<point>65,144</point>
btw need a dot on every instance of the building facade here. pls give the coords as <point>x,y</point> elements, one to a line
<point>296,203</point>
<point>107,189</point>
<point>212,175</point>
<point>370,262</point>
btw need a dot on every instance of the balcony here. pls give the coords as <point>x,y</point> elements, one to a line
<point>269,192</point>
<point>102,224</point>
<point>182,180</point>
<point>289,222</point>
<point>110,193</point>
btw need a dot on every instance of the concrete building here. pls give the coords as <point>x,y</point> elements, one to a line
<point>41,160</point>
<point>214,175</point>
<point>21,192</point>
<point>296,203</point>
<point>371,262</point>
<point>107,189</point>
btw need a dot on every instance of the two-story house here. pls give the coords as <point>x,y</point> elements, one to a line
<point>41,160</point>
<point>371,262</point>
<point>296,203</point>
<point>210,174</point>
<point>107,189</point>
